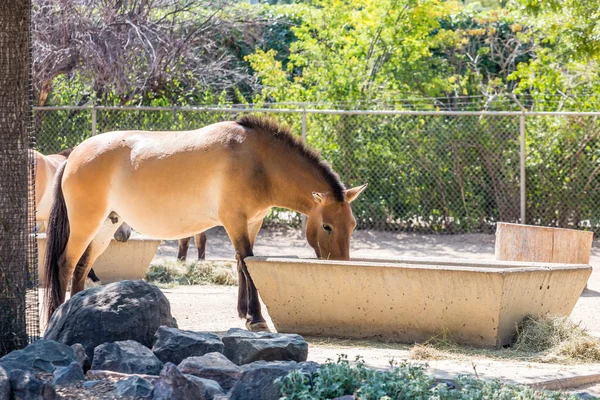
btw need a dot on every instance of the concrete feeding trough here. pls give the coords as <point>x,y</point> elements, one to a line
<point>414,299</point>
<point>120,261</point>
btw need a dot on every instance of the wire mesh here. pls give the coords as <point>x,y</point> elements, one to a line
<point>18,257</point>
<point>427,172</point>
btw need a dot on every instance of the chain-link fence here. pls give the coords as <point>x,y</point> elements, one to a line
<point>427,171</point>
<point>18,252</point>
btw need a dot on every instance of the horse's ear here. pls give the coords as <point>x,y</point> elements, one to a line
<point>352,194</point>
<point>319,198</point>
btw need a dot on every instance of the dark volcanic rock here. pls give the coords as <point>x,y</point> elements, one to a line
<point>174,345</point>
<point>244,347</point>
<point>67,375</point>
<point>128,356</point>
<point>42,355</point>
<point>173,385</point>
<point>213,366</point>
<point>134,387</point>
<point>25,386</point>
<point>82,357</point>
<point>258,379</point>
<point>126,310</point>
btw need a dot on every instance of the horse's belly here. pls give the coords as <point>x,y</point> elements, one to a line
<point>170,213</point>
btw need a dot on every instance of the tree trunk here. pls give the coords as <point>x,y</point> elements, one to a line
<point>15,117</point>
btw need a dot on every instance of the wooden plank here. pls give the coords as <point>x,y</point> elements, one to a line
<point>542,244</point>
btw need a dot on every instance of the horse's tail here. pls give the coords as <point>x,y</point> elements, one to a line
<point>57,237</point>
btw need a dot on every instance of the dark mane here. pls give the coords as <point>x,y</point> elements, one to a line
<point>283,135</point>
<point>65,153</point>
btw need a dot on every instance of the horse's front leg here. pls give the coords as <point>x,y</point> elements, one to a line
<point>200,240</point>
<point>183,249</point>
<point>248,300</point>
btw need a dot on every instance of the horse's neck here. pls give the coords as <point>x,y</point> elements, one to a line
<point>292,183</point>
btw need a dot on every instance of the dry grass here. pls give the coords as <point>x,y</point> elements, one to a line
<point>556,339</point>
<point>173,273</point>
<point>425,352</point>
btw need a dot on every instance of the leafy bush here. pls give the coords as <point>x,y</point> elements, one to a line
<point>403,381</point>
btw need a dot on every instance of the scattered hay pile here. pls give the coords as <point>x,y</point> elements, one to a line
<point>556,339</point>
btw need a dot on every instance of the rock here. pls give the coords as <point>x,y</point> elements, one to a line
<point>134,387</point>
<point>244,347</point>
<point>258,379</point>
<point>69,374</point>
<point>174,345</point>
<point>173,385</point>
<point>213,366</point>
<point>211,388</point>
<point>585,396</point>
<point>347,397</point>
<point>25,386</point>
<point>90,384</point>
<point>42,355</point>
<point>126,310</point>
<point>4,384</point>
<point>128,356</point>
<point>82,357</point>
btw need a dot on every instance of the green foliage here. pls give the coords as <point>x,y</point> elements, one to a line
<point>403,381</point>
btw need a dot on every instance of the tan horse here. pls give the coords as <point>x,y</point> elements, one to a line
<point>45,171</point>
<point>46,168</point>
<point>151,180</point>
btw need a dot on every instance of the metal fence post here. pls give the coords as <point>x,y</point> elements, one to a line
<point>522,165</point>
<point>93,120</point>
<point>304,141</point>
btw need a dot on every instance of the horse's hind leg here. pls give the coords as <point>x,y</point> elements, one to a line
<point>97,246</point>
<point>184,244</point>
<point>200,240</point>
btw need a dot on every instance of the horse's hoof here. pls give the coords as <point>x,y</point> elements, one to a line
<point>257,326</point>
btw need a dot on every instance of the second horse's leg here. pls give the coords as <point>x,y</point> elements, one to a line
<point>184,244</point>
<point>200,240</point>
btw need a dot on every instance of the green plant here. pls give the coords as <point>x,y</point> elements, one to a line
<point>399,382</point>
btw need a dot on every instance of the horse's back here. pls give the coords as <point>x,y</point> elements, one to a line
<point>164,184</point>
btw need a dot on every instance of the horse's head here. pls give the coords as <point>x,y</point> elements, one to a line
<point>330,224</point>
<point>122,234</point>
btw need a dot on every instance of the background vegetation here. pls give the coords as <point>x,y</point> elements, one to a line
<point>450,174</point>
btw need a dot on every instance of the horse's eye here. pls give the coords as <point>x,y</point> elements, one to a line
<point>327,228</point>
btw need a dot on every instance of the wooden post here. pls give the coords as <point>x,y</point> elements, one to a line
<point>516,242</point>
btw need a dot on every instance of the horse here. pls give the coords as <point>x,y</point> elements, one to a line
<point>45,172</point>
<point>199,240</point>
<point>248,166</point>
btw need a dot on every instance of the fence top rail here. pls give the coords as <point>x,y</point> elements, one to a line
<point>316,111</point>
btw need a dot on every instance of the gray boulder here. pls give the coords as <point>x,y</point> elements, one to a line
<point>213,366</point>
<point>174,345</point>
<point>244,347</point>
<point>128,356</point>
<point>69,374</point>
<point>42,355</point>
<point>82,357</point>
<point>25,386</point>
<point>211,388</point>
<point>4,384</point>
<point>173,385</point>
<point>258,381</point>
<point>134,387</point>
<point>126,310</point>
